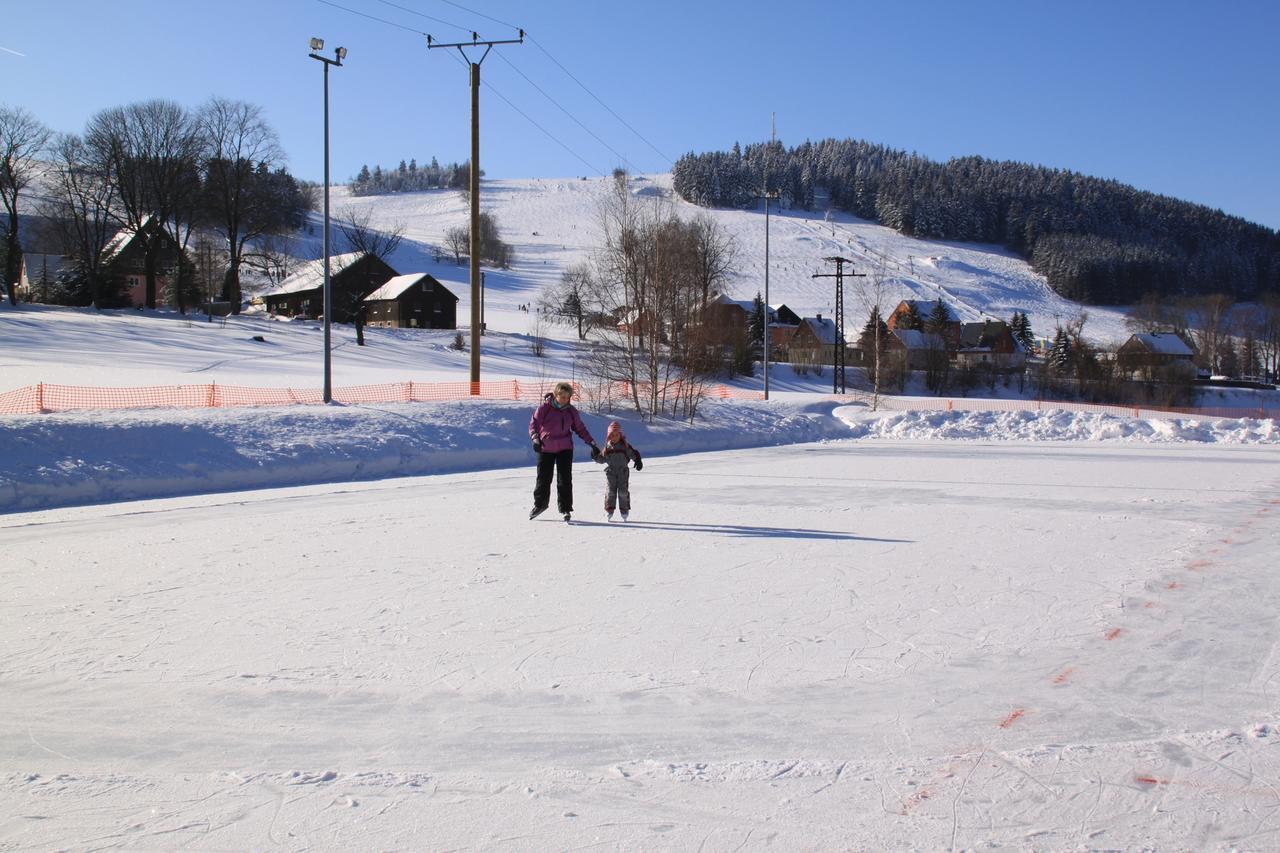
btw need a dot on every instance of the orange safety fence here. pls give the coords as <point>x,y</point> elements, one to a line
<point>45,398</point>
<point>940,404</point>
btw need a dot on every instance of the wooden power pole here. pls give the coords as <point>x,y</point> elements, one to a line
<point>474,187</point>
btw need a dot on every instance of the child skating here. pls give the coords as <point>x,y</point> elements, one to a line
<point>615,455</point>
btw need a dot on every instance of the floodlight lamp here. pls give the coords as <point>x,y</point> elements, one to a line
<point>341,53</point>
<point>317,44</point>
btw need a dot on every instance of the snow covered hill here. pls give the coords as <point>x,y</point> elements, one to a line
<point>552,224</point>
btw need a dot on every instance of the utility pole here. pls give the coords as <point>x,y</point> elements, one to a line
<point>838,347</point>
<point>474,187</point>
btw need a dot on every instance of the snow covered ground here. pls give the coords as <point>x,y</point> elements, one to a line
<point>869,644</point>
<point>331,627</point>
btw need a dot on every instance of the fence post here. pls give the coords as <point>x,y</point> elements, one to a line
<point>39,398</point>
<point>949,405</point>
<point>515,389</point>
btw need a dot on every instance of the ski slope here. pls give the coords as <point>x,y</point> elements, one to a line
<point>553,224</point>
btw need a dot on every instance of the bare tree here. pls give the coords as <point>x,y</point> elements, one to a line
<point>1268,335</point>
<point>361,236</point>
<point>271,259</point>
<point>242,152</point>
<point>79,204</point>
<point>458,239</point>
<point>1155,314</point>
<point>714,251</point>
<point>148,149</point>
<point>23,138</point>
<point>492,248</point>
<point>871,297</point>
<point>644,275</point>
<point>1210,318</point>
<point>569,301</point>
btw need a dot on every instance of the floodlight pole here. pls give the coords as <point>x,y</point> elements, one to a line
<point>474,187</point>
<point>764,192</point>
<point>339,54</point>
<point>767,196</point>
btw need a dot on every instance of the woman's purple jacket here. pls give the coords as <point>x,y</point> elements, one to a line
<point>555,427</point>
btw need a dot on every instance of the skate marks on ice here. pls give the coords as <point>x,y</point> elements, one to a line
<point>1044,797</point>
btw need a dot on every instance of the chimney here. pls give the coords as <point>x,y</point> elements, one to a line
<point>819,318</point>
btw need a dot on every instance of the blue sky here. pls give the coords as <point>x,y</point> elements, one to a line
<point>1174,97</point>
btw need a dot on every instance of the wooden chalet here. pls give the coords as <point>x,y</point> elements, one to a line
<point>725,320</point>
<point>352,277</point>
<point>413,301</point>
<point>1156,355</point>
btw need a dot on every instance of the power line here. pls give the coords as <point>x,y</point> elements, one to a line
<point>479,14</point>
<point>492,88</point>
<point>670,162</point>
<point>565,111</point>
<point>424,15</point>
<point>371,17</point>
<point>549,134</point>
<point>571,76</point>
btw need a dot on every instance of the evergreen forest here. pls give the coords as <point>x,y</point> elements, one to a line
<point>1096,241</point>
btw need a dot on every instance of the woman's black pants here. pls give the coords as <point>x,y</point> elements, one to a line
<point>562,464</point>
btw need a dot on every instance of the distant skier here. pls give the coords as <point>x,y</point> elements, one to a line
<point>615,456</point>
<point>551,430</point>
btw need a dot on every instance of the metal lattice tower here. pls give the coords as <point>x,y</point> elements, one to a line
<point>838,361</point>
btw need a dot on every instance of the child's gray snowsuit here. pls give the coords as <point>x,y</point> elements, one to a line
<point>614,457</point>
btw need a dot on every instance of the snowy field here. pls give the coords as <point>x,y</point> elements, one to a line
<point>867,644</point>
<point>332,627</point>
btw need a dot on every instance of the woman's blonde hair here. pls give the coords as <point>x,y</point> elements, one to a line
<point>564,386</point>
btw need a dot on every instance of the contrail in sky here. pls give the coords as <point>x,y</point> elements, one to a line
<point>14,52</point>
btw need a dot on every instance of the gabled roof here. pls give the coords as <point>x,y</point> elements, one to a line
<point>823,329</point>
<point>914,339</point>
<point>395,287</point>
<point>1164,343</point>
<point>311,275</point>
<point>720,299</point>
<point>983,335</point>
<point>924,307</point>
<point>121,240</point>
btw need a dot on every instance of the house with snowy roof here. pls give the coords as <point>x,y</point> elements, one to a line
<point>125,256</point>
<point>814,341</point>
<point>1156,355</point>
<point>920,350</point>
<point>413,301</point>
<point>352,277</point>
<point>725,319</point>
<point>925,309</point>
<point>990,345</point>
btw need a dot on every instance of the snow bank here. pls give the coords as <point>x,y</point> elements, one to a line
<point>1055,425</point>
<point>59,460</point>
